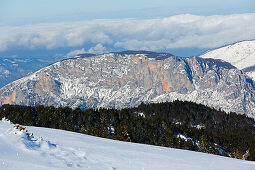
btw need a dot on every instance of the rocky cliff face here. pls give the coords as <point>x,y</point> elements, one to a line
<point>126,79</point>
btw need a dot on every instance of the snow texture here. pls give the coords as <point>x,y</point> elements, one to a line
<point>241,55</point>
<point>126,79</point>
<point>58,149</point>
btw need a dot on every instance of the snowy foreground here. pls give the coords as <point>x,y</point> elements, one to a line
<point>58,149</point>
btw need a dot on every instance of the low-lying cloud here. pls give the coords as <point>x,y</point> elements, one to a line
<point>98,49</point>
<point>74,53</point>
<point>151,34</point>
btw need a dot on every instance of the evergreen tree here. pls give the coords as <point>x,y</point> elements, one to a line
<point>221,133</point>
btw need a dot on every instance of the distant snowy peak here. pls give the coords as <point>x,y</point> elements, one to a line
<point>12,68</point>
<point>241,54</point>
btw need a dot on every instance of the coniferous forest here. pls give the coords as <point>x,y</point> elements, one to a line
<point>178,124</point>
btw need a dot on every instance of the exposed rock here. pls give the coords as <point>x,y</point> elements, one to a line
<point>118,80</point>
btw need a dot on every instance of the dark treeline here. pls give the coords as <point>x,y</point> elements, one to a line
<point>162,124</point>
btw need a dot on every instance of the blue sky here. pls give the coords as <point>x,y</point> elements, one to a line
<point>65,27</point>
<point>36,11</point>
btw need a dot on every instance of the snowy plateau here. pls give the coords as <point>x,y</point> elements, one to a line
<point>58,149</point>
<point>241,55</point>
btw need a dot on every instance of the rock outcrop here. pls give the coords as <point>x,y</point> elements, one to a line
<point>118,80</point>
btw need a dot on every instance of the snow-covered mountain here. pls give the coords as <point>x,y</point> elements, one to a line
<point>241,55</point>
<point>118,80</point>
<point>12,68</point>
<point>58,149</point>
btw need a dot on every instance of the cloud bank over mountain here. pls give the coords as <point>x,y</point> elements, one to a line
<point>181,31</point>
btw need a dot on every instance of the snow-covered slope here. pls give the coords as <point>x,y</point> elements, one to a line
<point>58,149</point>
<point>241,55</point>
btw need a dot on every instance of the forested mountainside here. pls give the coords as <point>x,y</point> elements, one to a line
<point>177,124</point>
<point>30,148</point>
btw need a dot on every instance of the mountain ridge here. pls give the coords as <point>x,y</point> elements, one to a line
<point>240,54</point>
<point>115,80</point>
<point>12,68</point>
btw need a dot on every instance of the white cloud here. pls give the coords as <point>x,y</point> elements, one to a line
<point>153,34</point>
<point>99,48</point>
<point>75,52</point>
